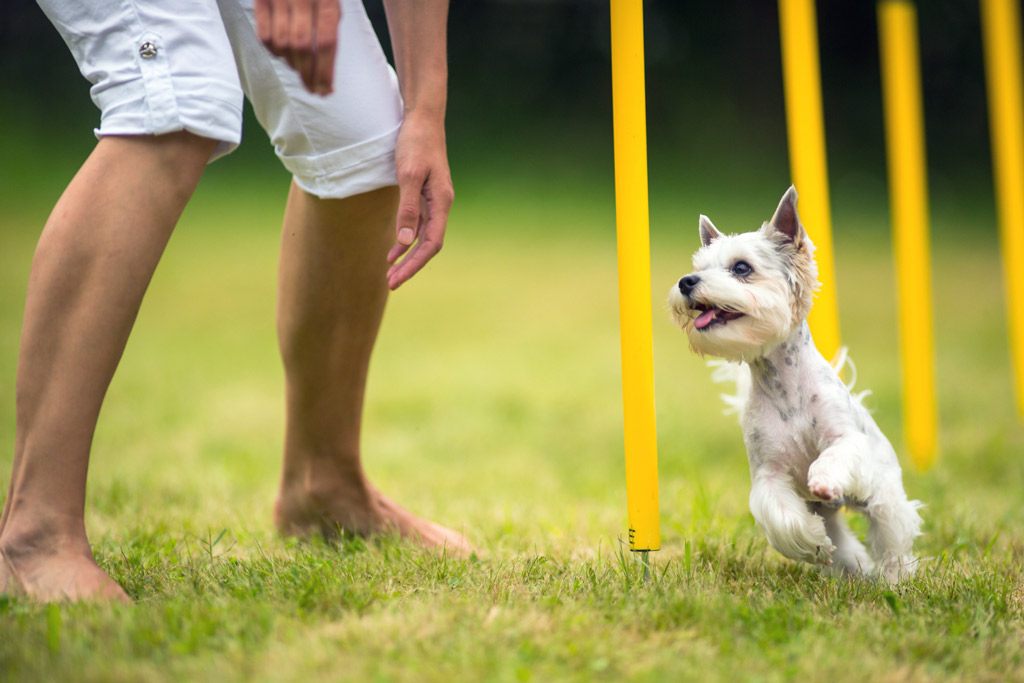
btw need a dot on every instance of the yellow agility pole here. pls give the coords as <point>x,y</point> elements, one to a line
<point>908,199</point>
<point>1001,28</point>
<point>634,257</point>
<point>805,126</point>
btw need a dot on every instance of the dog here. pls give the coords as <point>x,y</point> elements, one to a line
<point>812,446</point>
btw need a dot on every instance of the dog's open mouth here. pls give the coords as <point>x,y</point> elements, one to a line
<point>711,316</point>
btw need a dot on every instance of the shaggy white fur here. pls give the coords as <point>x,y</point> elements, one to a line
<point>812,445</point>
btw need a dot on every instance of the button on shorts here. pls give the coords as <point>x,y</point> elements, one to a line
<point>158,67</point>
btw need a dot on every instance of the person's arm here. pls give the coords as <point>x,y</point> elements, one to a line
<point>305,34</point>
<point>419,40</point>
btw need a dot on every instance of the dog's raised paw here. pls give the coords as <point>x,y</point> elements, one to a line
<point>823,485</point>
<point>824,490</point>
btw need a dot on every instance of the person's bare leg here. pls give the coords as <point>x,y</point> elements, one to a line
<point>331,298</point>
<point>93,263</point>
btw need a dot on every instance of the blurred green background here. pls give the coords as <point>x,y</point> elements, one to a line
<point>507,344</point>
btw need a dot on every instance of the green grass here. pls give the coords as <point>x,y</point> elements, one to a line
<point>494,406</point>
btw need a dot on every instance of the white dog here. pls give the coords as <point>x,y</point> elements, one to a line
<point>812,446</point>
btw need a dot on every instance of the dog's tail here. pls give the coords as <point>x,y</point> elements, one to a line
<point>840,363</point>
<point>738,374</point>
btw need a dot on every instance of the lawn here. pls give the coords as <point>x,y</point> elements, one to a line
<point>494,406</point>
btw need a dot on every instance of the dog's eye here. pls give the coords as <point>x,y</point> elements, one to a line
<point>741,269</point>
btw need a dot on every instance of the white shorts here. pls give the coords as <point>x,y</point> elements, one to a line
<point>159,67</point>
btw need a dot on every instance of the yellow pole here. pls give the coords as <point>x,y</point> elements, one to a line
<point>806,131</point>
<point>1001,26</point>
<point>908,198</point>
<point>634,256</point>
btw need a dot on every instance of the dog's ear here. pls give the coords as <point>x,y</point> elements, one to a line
<point>708,232</point>
<point>786,220</point>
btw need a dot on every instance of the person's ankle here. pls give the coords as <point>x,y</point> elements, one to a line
<point>330,498</point>
<point>25,536</point>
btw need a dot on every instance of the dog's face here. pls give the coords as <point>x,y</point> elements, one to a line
<point>747,292</point>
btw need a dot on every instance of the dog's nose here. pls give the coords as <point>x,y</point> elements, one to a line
<point>687,284</point>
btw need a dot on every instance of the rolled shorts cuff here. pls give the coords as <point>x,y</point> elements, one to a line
<point>352,170</point>
<point>201,106</point>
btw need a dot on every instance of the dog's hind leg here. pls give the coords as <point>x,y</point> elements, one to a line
<point>851,557</point>
<point>788,522</point>
<point>895,523</point>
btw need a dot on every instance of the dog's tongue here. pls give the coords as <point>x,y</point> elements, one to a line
<point>705,318</point>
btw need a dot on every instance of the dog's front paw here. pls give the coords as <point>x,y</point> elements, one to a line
<point>825,491</point>
<point>802,539</point>
<point>824,554</point>
<point>823,484</point>
<point>817,551</point>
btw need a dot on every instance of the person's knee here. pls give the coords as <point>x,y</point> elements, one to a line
<point>186,152</point>
<point>188,147</point>
<point>180,156</point>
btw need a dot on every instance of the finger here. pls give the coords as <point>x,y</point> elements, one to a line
<point>326,19</point>
<point>399,249</point>
<point>264,20</point>
<point>437,198</point>
<point>425,249</point>
<point>396,253</point>
<point>431,239</point>
<point>301,41</point>
<point>410,187</point>
<point>279,31</point>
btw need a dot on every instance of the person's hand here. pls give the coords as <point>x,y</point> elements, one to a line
<point>305,34</point>
<point>425,196</point>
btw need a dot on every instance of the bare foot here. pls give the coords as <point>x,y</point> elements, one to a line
<point>363,512</point>
<point>426,532</point>
<point>56,578</point>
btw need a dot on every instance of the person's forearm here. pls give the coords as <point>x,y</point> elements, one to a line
<point>419,38</point>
